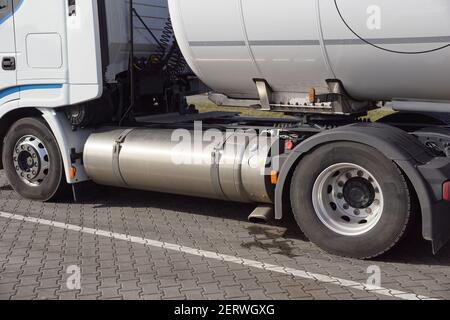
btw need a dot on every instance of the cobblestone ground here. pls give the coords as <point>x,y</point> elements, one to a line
<point>34,258</point>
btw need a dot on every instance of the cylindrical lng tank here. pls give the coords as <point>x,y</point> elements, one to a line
<point>379,49</point>
<point>229,167</point>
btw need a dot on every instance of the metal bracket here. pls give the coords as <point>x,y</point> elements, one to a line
<point>264,93</point>
<point>336,87</point>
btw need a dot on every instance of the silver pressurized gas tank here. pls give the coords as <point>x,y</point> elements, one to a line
<point>161,160</point>
<point>379,49</point>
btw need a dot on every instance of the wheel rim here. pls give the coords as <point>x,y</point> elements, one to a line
<point>348,199</point>
<point>31,160</point>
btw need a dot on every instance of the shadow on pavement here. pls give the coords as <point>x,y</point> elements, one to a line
<point>278,237</point>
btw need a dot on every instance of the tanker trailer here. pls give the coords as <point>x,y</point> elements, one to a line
<point>354,187</point>
<point>280,51</point>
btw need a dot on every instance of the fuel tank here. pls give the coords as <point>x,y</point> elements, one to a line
<point>378,49</point>
<point>232,167</point>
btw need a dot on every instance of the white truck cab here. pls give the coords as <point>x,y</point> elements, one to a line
<point>50,56</point>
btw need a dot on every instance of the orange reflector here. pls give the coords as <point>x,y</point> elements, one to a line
<point>274,177</point>
<point>446,191</point>
<point>72,172</point>
<point>312,95</point>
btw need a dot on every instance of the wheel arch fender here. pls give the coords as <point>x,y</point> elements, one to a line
<point>66,138</point>
<point>400,147</point>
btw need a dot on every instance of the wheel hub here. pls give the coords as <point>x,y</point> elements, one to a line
<point>31,160</point>
<point>348,199</point>
<point>359,193</point>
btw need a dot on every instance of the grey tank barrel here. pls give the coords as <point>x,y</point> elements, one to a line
<point>232,167</point>
<point>379,50</point>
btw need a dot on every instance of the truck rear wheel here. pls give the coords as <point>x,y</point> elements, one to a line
<point>350,200</point>
<point>32,160</point>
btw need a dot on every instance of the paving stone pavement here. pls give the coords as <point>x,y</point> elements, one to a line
<point>35,259</point>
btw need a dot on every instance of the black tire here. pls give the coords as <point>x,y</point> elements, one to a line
<point>396,213</point>
<point>53,184</point>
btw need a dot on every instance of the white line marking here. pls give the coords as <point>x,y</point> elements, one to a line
<point>222,257</point>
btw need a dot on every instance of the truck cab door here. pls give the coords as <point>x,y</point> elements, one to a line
<point>8,76</point>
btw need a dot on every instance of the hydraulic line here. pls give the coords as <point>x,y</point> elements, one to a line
<point>170,56</point>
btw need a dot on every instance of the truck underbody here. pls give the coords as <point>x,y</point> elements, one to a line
<point>355,187</point>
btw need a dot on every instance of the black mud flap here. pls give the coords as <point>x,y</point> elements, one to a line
<point>436,215</point>
<point>441,226</point>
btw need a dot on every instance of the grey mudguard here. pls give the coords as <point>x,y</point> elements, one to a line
<point>424,171</point>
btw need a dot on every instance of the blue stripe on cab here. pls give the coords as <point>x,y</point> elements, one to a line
<point>9,91</point>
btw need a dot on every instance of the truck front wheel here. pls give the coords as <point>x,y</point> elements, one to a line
<point>350,200</point>
<point>32,160</point>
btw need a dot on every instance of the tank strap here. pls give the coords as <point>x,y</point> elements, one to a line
<point>116,155</point>
<point>215,170</point>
